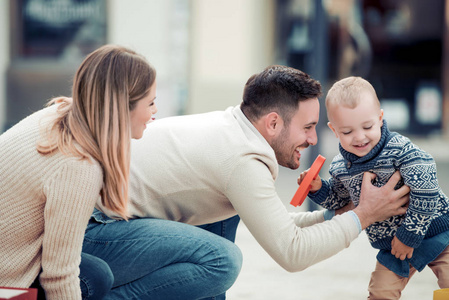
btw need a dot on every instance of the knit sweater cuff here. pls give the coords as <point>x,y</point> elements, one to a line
<point>408,238</point>
<point>319,197</point>
<point>328,214</point>
<point>68,292</point>
<point>356,220</point>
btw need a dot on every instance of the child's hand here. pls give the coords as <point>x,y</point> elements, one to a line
<point>400,250</point>
<point>316,183</point>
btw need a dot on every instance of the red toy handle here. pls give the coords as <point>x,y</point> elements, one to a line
<point>305,185</point>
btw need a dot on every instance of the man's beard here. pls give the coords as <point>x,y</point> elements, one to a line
<point>285,154</point>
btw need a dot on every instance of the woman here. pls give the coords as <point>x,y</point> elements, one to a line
<point>58,161</point>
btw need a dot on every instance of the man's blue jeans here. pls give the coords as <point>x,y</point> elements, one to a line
<point>160,259</point>
<point>226,228</point>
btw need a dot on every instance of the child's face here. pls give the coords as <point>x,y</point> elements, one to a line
<point>359,128</point>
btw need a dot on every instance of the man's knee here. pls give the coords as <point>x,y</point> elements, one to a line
<point>232,265</point>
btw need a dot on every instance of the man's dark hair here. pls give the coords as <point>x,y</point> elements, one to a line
<point>279,89</point>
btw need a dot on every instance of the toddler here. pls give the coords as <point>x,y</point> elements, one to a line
<point>408,242</point>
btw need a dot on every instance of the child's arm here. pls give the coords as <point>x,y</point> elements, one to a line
<point>400,250</point>
<point>330,194</point>
<point>418,170</point>
<point>316,186</point>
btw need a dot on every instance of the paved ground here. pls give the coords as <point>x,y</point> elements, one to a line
<point>344,276</point>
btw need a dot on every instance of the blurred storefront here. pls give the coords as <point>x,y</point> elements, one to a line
<point>400,46</point>
<point>49,40</point>
<point>204,50</point>
<point>46,40</point>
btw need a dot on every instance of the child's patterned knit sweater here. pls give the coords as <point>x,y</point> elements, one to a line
<point>427,214</point>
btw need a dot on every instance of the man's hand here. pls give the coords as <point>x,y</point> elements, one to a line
<point>377,204</point>
<point>400,250</point>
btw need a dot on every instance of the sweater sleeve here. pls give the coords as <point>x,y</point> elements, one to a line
<point>418,171</point>
<point>70,198</point>
<point>252,192</point>
<point>332,195</point>
<point>305,219</point>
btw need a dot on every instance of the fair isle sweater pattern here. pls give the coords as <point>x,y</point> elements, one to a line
<point>427,214</point>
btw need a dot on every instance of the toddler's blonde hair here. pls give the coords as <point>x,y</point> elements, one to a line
<point>347,92</point>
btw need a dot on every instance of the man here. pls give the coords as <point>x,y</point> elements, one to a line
<point>209,168</point>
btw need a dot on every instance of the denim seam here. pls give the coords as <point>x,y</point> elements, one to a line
<point>94,241</point>
<point>89,288</point>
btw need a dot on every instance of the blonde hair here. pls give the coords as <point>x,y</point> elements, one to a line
<point>347,92</point>
<point>95,122</point>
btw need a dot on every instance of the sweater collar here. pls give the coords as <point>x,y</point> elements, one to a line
<point>385,133</point>
<point>262,146</point>
<point>238,113</point>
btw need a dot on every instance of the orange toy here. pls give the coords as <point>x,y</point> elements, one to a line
<point>305,185</point>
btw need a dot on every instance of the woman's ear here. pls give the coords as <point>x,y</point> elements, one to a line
<point>329,124</point>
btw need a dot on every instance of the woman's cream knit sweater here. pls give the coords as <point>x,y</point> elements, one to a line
<point>45,204</point>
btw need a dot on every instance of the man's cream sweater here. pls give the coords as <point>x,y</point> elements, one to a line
<point>204,168</point>
<point>45,204</point>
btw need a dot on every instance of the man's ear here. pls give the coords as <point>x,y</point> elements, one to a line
<point>329,124</point>
<point>273,123</point>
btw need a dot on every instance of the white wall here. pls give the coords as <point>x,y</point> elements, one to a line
<point>231,40</point>
<point>209,54</point>
<point>159,31</point>
<point>4,57</point>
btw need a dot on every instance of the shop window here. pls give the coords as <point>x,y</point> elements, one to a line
<point>49,39</point>
<point>57,28</point>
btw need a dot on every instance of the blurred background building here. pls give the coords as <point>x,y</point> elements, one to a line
<point>204,50</point>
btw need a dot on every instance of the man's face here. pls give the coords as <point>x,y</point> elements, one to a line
<point>298,135</point>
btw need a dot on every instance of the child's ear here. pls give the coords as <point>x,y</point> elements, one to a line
<point>381,116</point>
<point>329,124</point>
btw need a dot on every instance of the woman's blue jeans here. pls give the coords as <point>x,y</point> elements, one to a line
<point>160,259</point>
<point>96,279</point>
